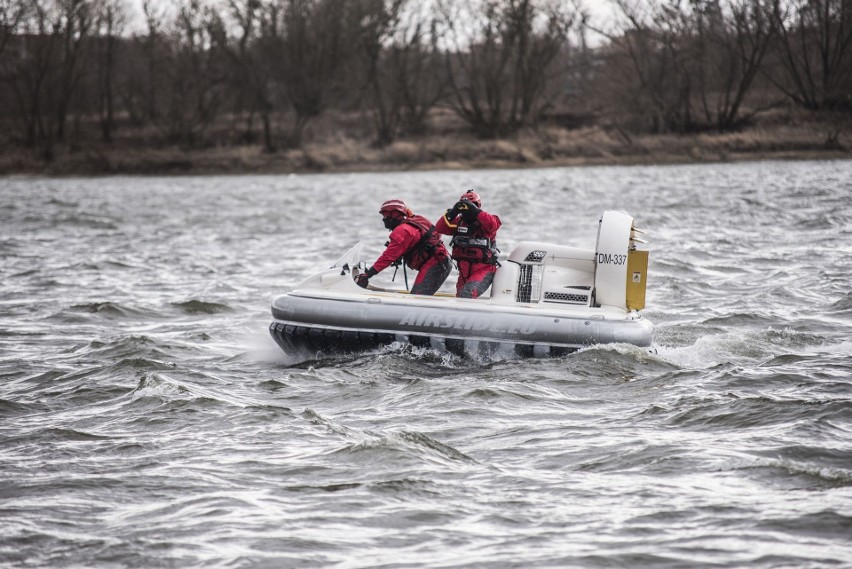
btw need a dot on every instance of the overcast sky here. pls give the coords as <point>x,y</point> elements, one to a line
<point>600,11</point>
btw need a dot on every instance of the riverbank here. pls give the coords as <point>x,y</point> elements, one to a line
<point>549,146</point>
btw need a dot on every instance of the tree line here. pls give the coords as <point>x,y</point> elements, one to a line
<point>196,72</point>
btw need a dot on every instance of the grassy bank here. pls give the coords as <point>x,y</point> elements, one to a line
<point>780,136</point>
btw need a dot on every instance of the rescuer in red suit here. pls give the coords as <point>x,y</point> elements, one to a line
<point>474,244</point>
<point>413,240</point>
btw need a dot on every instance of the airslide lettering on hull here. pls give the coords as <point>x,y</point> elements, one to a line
<point>480,324</point>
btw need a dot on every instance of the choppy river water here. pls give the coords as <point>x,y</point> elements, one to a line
<point>148,420</point>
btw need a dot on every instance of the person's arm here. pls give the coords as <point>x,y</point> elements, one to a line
<point>401,239</point>
<point>447,223</point>
<point>488,223</point>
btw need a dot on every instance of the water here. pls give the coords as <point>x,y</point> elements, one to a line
<point>149,421</point>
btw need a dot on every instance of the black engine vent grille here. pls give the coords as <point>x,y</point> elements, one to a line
<point>535,256</point>
<point>566,297</point>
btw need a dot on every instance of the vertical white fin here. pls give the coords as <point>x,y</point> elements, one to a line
<point>614,233</point>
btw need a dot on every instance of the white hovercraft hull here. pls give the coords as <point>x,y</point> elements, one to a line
<point>316,321</point>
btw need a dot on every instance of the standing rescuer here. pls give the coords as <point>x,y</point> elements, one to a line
<point>474,243</point>
<point>414,241</point>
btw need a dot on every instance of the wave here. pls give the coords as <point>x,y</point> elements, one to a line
<point>823,524</point>
<point>13,408</point>
<point>104,309</point>
<point>97,266</point>
<point>138,364</point>
<point>142,349</point>
<point>66,387</point>
<point>618,361</point>
<point>67,434</point>
<point>160,387</point>
<point>841,306</point>
<point>193,307</point>
<point>62,203</point>
<point>731,412</point>
<point>34,272</point>
<point>631,456</point>
<point>10,245</point>
<point>807,463</point>
<point>843,347</point>
<point>413,443</point>
<point>83,221</point>
<point>741,319</point>
<point>158,397</point>
<point>316,419</point>
<point>746,344</point>
<point>400,446</point>
<point>815,358</point>
<point>789,338</point>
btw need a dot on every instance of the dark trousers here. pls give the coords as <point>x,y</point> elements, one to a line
<point>431,276</point>
<point>474,279</point>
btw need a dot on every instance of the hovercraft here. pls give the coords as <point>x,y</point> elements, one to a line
<point>546,300</point>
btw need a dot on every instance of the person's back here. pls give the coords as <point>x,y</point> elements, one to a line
<point>474,243</point>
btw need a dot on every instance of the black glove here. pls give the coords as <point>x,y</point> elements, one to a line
<point>468,210</point>
<point>363,279</point>
<point>451,214</point>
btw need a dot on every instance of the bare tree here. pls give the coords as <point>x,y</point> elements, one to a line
<point>503,76</point>
<point>30,72</point>
<point>733,38</point>
<point>403,66</point>
<point>310,43</point>
<point>109,25</point>
<point>12,13</point>
<point>815,51</point>
<point>74,20</point>
<point>140,77</point>
<point>195,76</point>
<point>251,78</point>
<point>689,66</point>
<point>48,68</point>
<point>154,52</point>
<point>415,66</point>
<point>378,23</point>
<point>651,58</point>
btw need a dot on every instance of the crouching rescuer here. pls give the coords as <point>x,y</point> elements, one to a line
<point>414,241</point>
<point>474,244</point>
